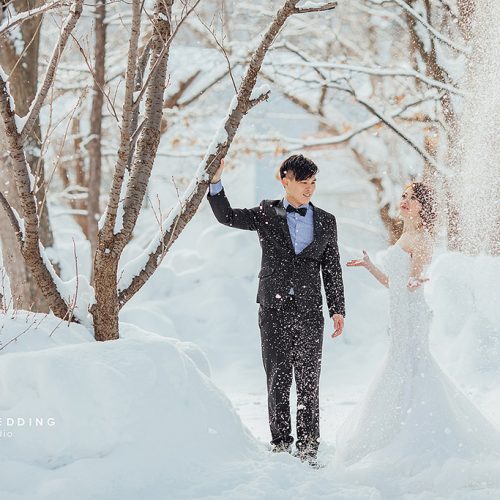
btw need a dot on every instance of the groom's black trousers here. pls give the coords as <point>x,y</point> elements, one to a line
<point>292,341</point>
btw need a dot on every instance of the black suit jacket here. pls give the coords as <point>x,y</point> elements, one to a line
<point>282,269</point>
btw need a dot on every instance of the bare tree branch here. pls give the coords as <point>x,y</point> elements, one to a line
<point>301,103</point>
<point>97,81</point>
<point>369,70</point>
<point>31,248</point>
<point>325,81</point>
<point>106,231</point>
<point>433,31</point>
<point>164,51</point>
<point>319,8</point>
<point>173,100</point>
<point>262,96</point>
<point>223,50</point>
<point>70,23</point>
<point>345,137</point>
<point>208,86</point>
<point>394,127</point>
<point>23,16</point>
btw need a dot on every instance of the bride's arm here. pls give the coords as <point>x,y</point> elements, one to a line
<point>421,255</point>
<point>371,267</point>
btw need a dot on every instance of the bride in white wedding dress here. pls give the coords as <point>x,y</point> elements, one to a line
<point>413,415</point>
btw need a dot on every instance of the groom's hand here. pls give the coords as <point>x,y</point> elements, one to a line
<point>217,176</point>
<point>338,325</point>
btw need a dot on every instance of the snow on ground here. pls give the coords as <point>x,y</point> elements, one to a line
<point>84,419</point>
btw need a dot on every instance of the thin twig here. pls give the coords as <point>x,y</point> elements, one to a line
<point>72,306</point>
<point>223,50</point>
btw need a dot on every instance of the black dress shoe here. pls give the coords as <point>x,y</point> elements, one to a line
<point>281,448</point>
<point>310,458</point>
<point>308,454</point>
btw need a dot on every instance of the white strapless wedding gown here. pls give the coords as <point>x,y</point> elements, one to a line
<point>413,415</point>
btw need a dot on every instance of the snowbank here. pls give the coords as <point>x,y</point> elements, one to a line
<point>464,294</point>
<point>108,420</point>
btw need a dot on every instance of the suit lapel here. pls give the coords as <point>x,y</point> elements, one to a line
<point>317,233</point>
<point>280,212</point>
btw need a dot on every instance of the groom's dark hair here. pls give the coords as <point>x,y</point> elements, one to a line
<point>301,167</point>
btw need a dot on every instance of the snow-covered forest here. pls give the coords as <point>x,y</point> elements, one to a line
<point>130,353</point>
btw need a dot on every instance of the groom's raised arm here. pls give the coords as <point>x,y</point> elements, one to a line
<point>332,275</point>
<point>240,218</point>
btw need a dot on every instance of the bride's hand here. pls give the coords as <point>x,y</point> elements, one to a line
<point>364,262</point>
<point>414,283</point>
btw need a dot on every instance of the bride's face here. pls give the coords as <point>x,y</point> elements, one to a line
<point>409,206</point>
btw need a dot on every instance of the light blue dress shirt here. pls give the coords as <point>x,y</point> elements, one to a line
<point>215,188</point>
<point>301,227</point>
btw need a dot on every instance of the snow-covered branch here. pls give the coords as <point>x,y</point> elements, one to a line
<point>258,95</point>
<point>30,242</point>
<point>433,31</point>
<point>109,217</point>
<point>369,70</point>
<point>325,81</point>
<point>309,7</point>
<point>13,21</point>
<point>161,55</point>
<point>69,24</point>
<point>289,144</point>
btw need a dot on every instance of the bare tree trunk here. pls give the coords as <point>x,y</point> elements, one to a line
<point>112,240</point>
<point>94,145</point>
<point>27,232</point>
<point>76,184</point>
<point>23,79</point>
<point>26,222</point>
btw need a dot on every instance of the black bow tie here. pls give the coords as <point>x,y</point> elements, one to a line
<point>301,211</point>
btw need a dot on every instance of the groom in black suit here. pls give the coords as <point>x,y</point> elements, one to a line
<point>299,242</point>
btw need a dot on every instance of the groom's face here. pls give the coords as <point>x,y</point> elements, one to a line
<point>298,192</point>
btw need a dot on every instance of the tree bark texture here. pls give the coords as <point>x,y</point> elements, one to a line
<point>17,139</point>
<point>22,67</point>
<point>110,242</point>
<point>94,144</point>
